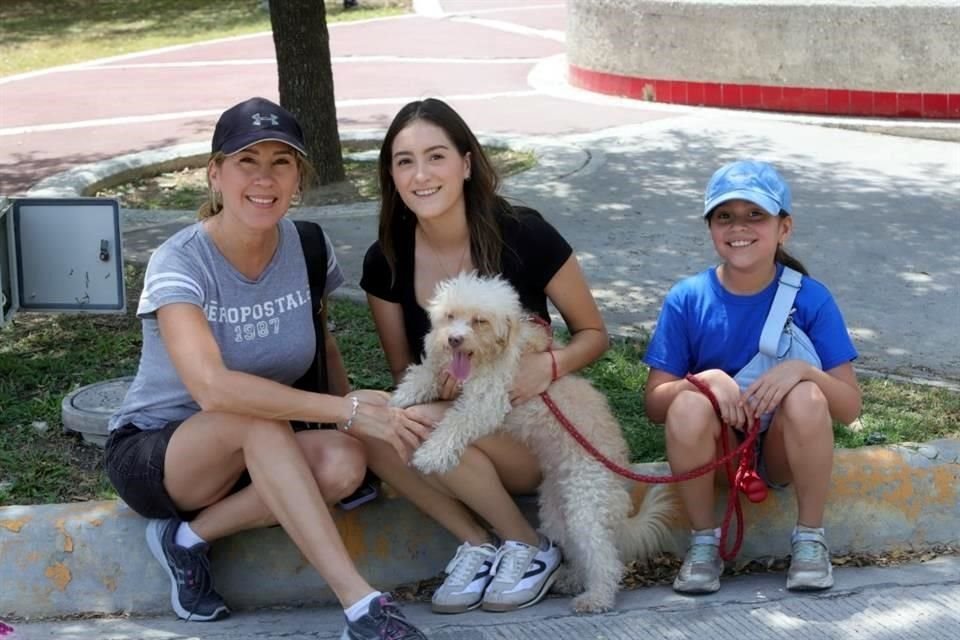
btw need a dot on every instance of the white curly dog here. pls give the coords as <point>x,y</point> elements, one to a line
<point>478,333</point>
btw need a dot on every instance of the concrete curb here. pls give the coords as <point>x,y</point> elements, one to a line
<point>67,559</point>
<point>555,161</point>
<point>87,179</point>
<point>549,77</point>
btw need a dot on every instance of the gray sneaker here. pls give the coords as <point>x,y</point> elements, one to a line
<point>383,621</point>
<point>702,566</point>
<point>810,566</point>
<point>191,585</point>
<point>468,574</point>
<point>522,575</point>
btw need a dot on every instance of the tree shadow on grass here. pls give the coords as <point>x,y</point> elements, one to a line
<point>30,20</point>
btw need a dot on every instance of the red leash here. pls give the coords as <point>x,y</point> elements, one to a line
<point>745,479</point>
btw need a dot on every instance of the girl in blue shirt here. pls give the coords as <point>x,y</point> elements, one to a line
<point>710,326</point>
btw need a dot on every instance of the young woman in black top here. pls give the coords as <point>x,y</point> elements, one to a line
<point>440,214</point>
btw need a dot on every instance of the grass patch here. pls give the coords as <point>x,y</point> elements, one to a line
<point>37,34</point>
<point>893,412</point>
<point>187,189</point>
<point>43,357</point>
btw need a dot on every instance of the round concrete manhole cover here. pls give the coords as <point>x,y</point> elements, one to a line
<point>88,409</point>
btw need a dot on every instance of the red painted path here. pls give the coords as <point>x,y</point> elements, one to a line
<point>478,56</point>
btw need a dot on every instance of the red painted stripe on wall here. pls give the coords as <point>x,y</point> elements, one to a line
<point>844,102</point>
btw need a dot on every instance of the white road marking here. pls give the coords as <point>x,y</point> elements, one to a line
<point>187,115</point>
<point>335,60</point>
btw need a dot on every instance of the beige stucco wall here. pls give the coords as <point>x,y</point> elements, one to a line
<point>877,45</point>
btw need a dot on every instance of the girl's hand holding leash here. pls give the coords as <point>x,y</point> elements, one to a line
<point>766,392</point>
<point>533,376</point>
<point>727,392</point>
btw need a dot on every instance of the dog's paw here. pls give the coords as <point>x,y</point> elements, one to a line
<point>590,603</point>
<point>434,459</point>
<point>403,397</point>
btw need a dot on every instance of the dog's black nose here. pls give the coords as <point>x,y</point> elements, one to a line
<point>455,341</point>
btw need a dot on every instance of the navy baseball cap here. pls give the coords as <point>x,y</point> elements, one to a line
<point>750,180</point>
<point>256,120</point>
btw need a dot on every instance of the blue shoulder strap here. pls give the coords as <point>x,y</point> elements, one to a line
<point>779,311</point>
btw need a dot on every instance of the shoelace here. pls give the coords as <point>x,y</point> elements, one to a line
<point>463,567</point>
<point>393,626</point>
<point>703,553</point>
<point>808,551</point>
<point>197,579</point>
<point>512,561</point>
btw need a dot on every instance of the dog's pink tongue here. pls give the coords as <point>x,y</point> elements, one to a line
<point>460,367</point>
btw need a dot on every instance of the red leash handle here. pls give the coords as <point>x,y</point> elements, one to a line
<point>748,480</point>
<point>745,477</point>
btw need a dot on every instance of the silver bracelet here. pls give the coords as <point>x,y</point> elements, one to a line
<point>353,412</point>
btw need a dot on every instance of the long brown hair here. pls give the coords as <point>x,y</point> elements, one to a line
<point>788,260</point>
<point>484,207</point>
<point>214,204</point>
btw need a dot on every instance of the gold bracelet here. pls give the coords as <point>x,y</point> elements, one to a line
<point>353,413</point>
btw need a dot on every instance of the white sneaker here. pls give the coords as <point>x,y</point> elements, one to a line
<point>522,576</point>
<point>702,566</point>
<point>810,566</point>
<point>468,574</point>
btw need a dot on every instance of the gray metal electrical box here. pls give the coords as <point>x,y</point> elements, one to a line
<point>60,255</point>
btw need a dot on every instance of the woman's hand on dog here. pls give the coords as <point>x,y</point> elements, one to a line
<point>428,414</point>
<point>534,376</point>
<point>450,387</point>
<point>391,425</point>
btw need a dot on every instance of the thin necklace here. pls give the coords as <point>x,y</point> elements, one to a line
<point>437,256</point>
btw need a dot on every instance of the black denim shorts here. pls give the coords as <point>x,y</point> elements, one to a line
<point>134,461</point>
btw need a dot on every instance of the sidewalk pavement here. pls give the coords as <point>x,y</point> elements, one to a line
<point>909,602</point>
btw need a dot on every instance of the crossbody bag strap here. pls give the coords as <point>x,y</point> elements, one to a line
<point>315,253</point>
<point>787,290</point>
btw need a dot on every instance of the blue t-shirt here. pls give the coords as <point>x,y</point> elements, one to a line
<point>703,326</point>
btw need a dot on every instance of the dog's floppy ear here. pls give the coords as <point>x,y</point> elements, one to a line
<point>507,331</point>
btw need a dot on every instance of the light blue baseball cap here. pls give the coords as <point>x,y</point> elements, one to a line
<point>750,180</point>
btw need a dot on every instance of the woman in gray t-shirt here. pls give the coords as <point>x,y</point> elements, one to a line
<point>203,443</point>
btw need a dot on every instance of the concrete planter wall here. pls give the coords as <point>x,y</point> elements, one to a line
<point>91,557</point>
<point>866,57</point>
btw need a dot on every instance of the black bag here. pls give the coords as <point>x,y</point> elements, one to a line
<point>315,253</point>
<point>315,379</point>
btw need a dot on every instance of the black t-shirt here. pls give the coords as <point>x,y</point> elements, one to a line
<point>533,253</point>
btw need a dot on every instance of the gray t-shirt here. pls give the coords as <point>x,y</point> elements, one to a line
<point>263,327</point>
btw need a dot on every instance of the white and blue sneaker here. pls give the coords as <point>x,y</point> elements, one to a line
<point>468,574</point>
<point>522,576</point>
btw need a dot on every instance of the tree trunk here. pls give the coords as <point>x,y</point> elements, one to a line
<point>302,44</point>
